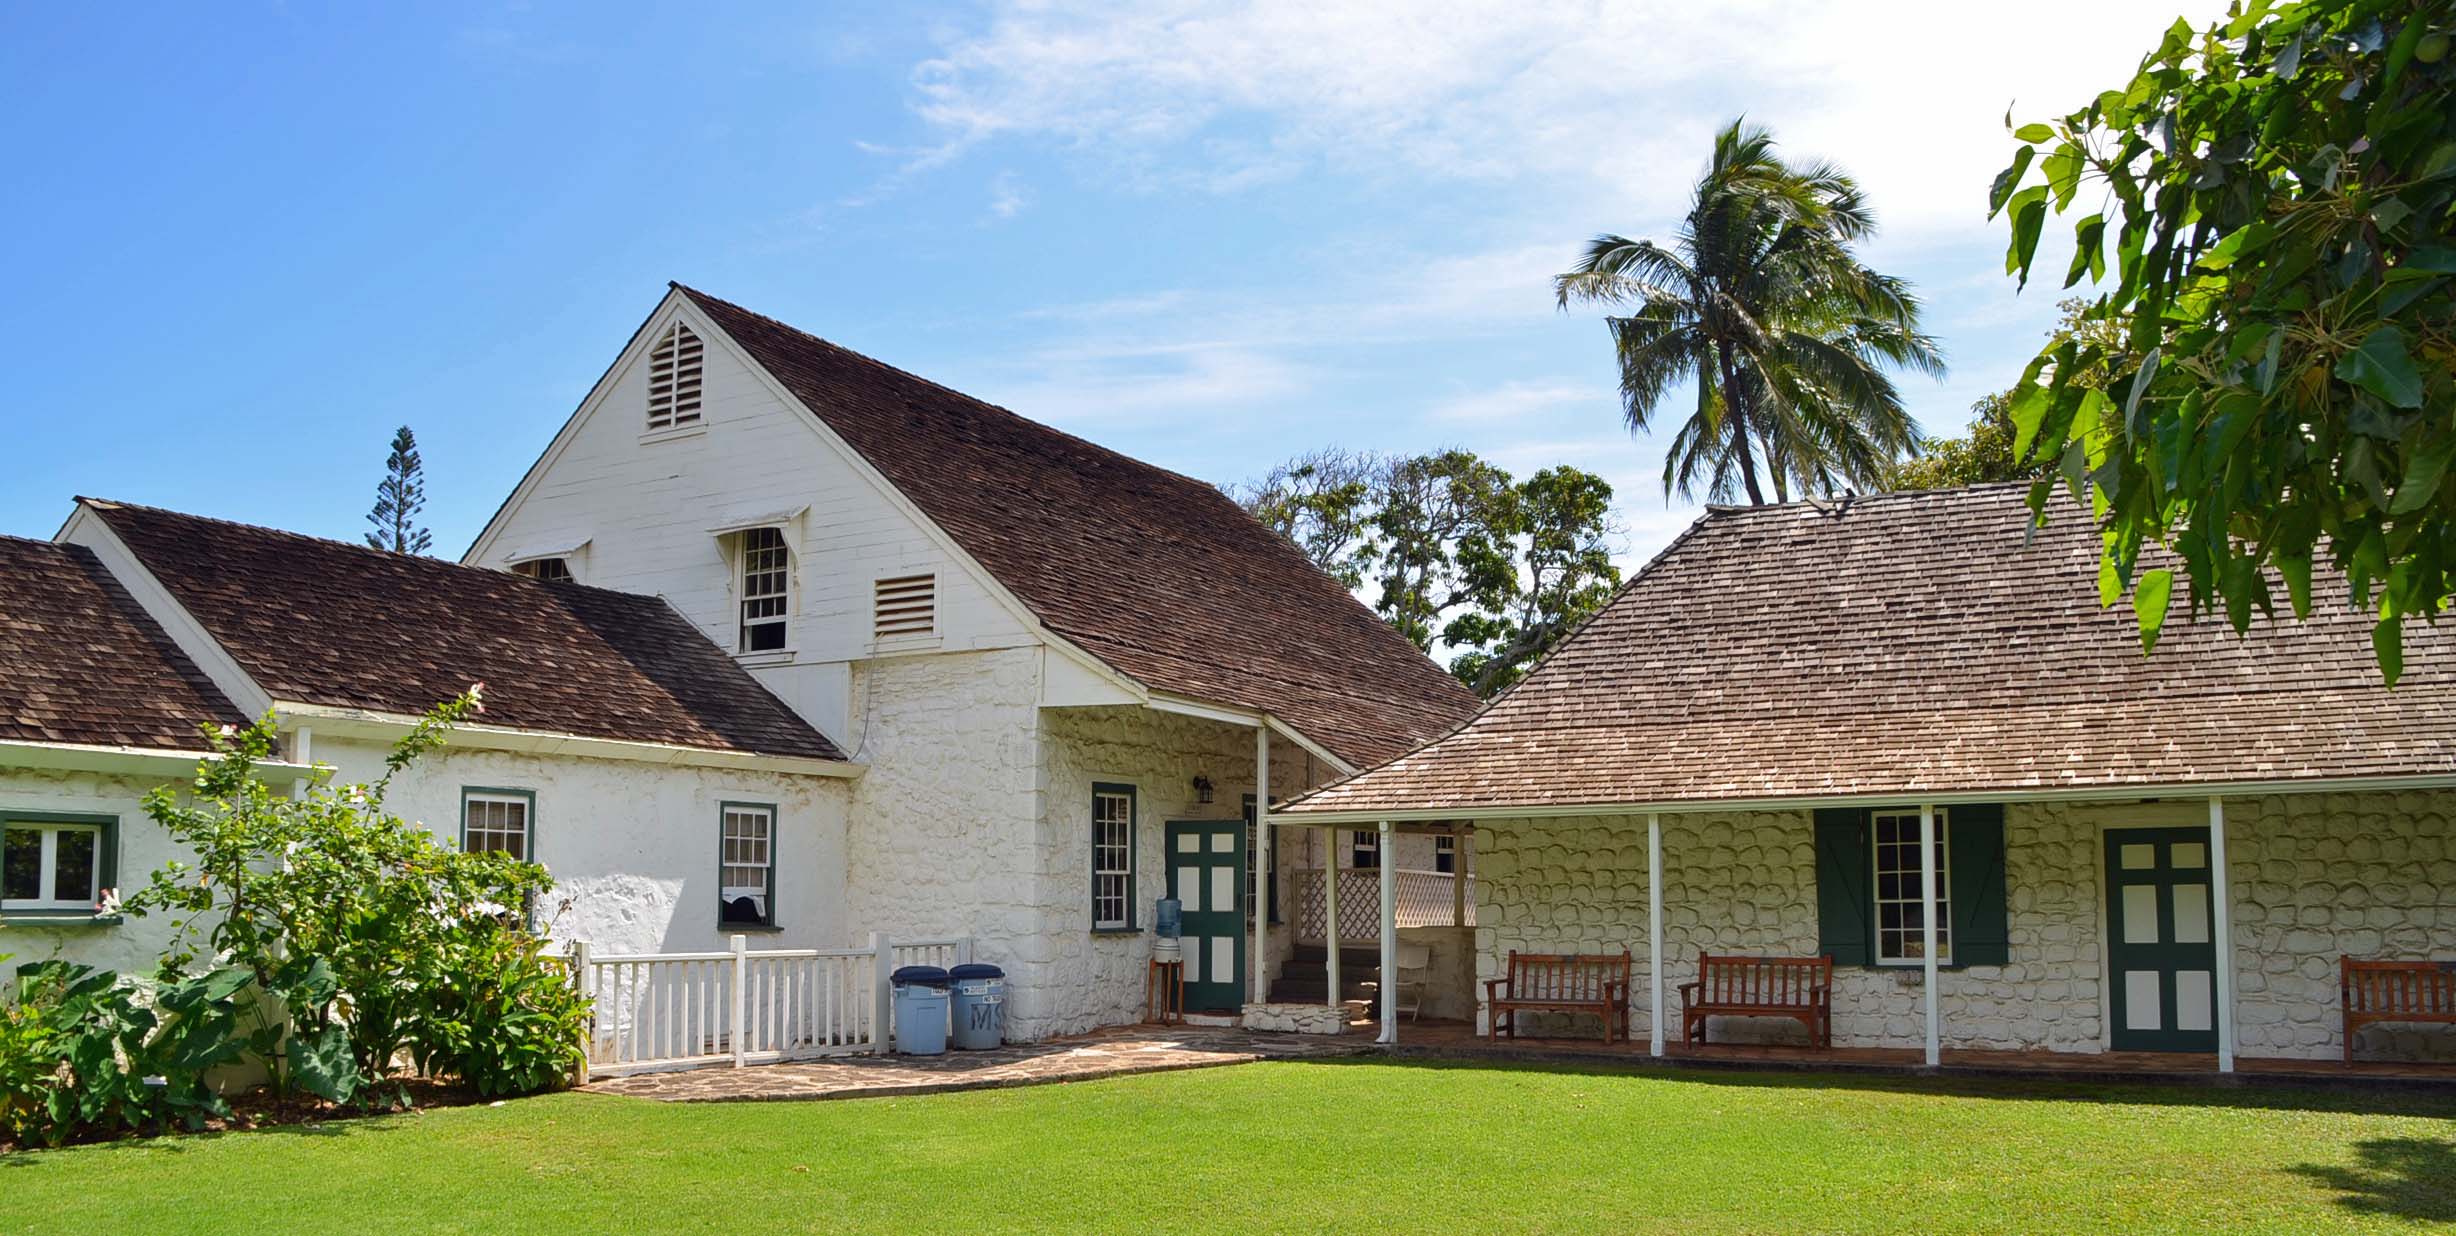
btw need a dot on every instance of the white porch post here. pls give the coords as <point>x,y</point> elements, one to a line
<point>1261,859</point>
<point>1654,933</point>
<point>1330,914</point>
<point>2221,904</point>
<point>1389,939</point>
<point>1927,931</point>
<point>1458,878</point>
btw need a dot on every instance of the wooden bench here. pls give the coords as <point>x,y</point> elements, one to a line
<point>1595,983</point>
<point>1800,988</point>
<point>2372,992</point>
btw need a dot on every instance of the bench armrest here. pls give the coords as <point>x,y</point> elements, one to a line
<point>1495,988</point>
<point>1690,991</point>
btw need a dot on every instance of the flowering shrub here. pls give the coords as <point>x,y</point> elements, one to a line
<point>501,1016</point>
<point>351,919</point>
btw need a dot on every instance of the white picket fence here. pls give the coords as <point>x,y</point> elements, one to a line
<point>657,1012</point>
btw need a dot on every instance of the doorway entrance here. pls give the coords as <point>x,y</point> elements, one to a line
<point>2161,943</point>
<point>1206,874</point>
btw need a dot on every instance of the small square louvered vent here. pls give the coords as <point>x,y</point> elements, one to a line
<point>673,379</point>
<point>905,606</point>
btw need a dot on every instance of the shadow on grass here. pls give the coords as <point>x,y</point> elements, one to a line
<point>2352,1101</point>
<point>2404,1177</point>
<point>179,1141</point>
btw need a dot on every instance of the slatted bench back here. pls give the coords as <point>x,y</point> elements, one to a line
<point>1762,982</point>
<point>2400,988</point>
<point>1567,976</point>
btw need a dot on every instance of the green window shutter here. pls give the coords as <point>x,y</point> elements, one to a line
<point>1844,901</point>
<point>1981,936</point>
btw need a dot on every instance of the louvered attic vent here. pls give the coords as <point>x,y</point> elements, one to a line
<point>905,606</point>
<point>673,379</point>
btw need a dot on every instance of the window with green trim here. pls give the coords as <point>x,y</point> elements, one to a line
<point>746,873</point>
<point>1112,857</point>
<point>55,864</point>
<point>1869,898</point>
<point>497,822</point>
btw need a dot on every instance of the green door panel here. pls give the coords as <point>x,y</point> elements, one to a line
<point>1206,874</point>
<point>2161,951</point>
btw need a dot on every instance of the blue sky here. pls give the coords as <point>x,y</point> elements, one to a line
<point>248,241</point>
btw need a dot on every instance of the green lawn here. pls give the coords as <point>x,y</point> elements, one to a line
<point>1352,1146</point>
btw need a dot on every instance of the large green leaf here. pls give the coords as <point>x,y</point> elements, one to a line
<point>321,1062</point>
<point>2384,367</point>
<point>2150,598</point>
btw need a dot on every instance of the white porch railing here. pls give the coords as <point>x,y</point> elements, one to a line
<point>657,1012</point>
<point>1425,899</point>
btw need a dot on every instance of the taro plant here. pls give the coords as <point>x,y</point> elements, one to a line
<point>345,914</point>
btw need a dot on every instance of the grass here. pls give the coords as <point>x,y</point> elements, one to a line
<point>1307,1147</point>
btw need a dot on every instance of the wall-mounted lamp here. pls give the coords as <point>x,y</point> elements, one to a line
<point>1202,788</point>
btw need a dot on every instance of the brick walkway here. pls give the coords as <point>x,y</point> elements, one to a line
<point>1106,1053</point>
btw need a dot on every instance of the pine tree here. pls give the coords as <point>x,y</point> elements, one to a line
<point>398,499</point>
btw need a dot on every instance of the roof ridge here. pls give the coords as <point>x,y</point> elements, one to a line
<point>1823,504</point>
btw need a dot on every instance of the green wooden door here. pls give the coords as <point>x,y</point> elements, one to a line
<point>2160,940</point>
<point>1206,874</point>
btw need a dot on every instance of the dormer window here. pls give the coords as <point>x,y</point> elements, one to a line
<point>547,570</point>
<point>673,379</point>
<point>767,573</point>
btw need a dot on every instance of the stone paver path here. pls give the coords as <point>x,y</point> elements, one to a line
<point>1105,1053</point>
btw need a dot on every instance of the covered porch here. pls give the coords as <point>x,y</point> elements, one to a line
<point>2068,933</point>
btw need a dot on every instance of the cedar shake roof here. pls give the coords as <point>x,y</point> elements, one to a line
<point>1160,576</point>
<point>323,622</point>
<point>1913,642</point>
<point>81,664</point>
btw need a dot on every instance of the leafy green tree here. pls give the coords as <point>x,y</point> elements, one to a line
<point>1984,453</point>
<point>2273,377</point>
<point>1458,552</point>
<point>1552,570</point>
<point>1323,504</point>
<point>1761,302</point>
<point>398,499</point>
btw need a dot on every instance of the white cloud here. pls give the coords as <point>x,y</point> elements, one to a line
<point>1515,401</point>
<point>1008,195</point>
<point>1613,98</point>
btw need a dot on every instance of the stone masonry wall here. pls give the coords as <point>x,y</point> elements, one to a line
<point>1097,979</point>
<point>941,841</point>
<point>2314,877</point>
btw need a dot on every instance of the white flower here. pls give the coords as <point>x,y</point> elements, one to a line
<point>108,903</point>
<point>477,695</point>
<point>229,730</point>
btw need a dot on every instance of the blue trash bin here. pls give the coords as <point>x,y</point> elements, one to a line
<point>980,1006</point>
<point>920,1010</point>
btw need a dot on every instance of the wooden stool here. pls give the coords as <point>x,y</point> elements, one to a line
<point>1164,992</point>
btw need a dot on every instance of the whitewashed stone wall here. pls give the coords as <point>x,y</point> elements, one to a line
<point>134,945</point>
<point>2314,877</point>
<point>942,839</point>
<point>2319,877</point>
<point>633,847</point>
<point>1097,979</point>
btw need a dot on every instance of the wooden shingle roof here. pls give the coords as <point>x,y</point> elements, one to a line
<point>323,622</point>
<point>1160,576</point>
<point>81,664</point>
<point>1918,642</point>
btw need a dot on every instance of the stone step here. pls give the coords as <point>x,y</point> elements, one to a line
<point>1351,955</point>
<point>1315,991</point>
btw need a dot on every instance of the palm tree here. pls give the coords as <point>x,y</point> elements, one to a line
<point>1761,302</point>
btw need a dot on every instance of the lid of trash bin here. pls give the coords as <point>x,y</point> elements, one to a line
<point>918,976</point>
<point>975,970</point>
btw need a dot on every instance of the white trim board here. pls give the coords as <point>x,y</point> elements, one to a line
<point>87,528</point>
<point>133,761</point>
<point>334,722</point>
<point>2102,793</point>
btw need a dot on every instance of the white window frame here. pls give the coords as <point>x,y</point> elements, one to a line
<point>1909,936</point>
<point>548,570</point>
<point>47,894</point>
<point>735,857</point>
<point>1364,850</point>
<point>524,801</point>
<point>1445,846</point>
<point>776,605</point>
<point>1113,858</point>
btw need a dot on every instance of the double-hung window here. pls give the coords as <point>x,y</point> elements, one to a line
<point>746,876</point>
<point>1445,855</point>
<point>54,865</point>
<point>498,822</point>
<point>1871,902</point>
<point>767,571</point>
<point>1112,857</point>
<point>1364,849</point>
<point>1900,895</point>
